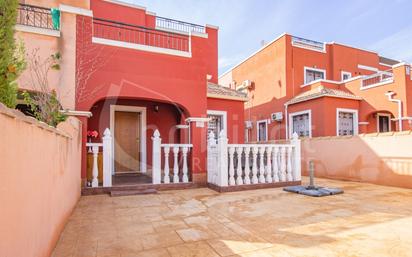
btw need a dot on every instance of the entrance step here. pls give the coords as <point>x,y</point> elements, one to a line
<point>115,193</point>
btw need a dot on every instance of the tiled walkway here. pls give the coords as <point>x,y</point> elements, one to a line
<point>367,220</point>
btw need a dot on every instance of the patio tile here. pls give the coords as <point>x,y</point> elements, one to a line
<point>196,234</point>
<point>197,249</point>
<point>160,240</point>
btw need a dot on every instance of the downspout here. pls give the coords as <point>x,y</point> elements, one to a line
<point>390,94</point>
<point>286,121</point>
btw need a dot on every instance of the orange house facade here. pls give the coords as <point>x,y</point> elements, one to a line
<point>320,89</point>
<point>137,76</point>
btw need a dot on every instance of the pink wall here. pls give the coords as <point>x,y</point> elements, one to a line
<point>384,159</point>
<point>40,185</point>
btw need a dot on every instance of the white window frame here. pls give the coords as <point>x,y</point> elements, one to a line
<point>224,116</point>
<point>312,69</point>
<point>355,120</point>
<point>383,115</point>
<point>257,130</point>
<point>342,73</point>
<point>293,114</point>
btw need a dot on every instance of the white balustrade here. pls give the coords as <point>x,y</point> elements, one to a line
<point>244,164</point>
<point>180,165</point>
<point>106,147</point>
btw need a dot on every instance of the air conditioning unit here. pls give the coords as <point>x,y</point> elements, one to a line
<point>248,124</point>
<point>276,116</point>
<point>245,85</point>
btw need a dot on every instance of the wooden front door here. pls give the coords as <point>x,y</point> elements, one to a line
<point>126,141</point>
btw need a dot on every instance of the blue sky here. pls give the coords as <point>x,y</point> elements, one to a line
<point>382,26</point>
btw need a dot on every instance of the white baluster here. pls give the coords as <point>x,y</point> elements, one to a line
<point>282,164</point>
<point>296,157</point>
<point>239,179</point>
<point>254,165</point>
<point>95,170</point>
<point>275,159</point>
<point>107,158</point>
<point>247,168</point>
<point>157,158</point>
<point>261,165</point>
<point>185,170</point>
<point>231,167</point>
<point>166,178</point>
<point>269,164</point>
<point>289,164</point>
<point>175,164</point>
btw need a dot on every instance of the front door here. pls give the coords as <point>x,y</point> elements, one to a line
<point>126,141</point>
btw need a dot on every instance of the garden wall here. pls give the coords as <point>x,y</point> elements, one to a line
<point>39,182</point>
<point>384,159</point>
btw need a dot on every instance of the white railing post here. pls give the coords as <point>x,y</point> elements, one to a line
<point>239,179</point>
<point>95,170</point>
<point>166,171</point>
<point>156,158</point>
<point>269,164</point>
<point>185,178</point>
<point>107,158</point>
<point>211,158</point>
<point>247,168</point>
<point>231,166</point>
<point>254,165</point>
<point>297,157</point>
<point>223,177</point>
<point>175,164</point>
<point>261,165</point>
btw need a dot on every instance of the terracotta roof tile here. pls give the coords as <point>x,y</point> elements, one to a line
<point>322,91</point>
<point>217,90</point>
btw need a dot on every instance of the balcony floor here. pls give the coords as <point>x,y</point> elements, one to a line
<point>367,220</point>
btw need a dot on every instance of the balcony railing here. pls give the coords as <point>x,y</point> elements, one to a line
<point>35,16</point>
<point>134,34</point>
<point>377,78</point>
<point>309,44</point>
<point>176,25</point>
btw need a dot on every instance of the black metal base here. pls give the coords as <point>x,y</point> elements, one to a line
<point>313,191</point>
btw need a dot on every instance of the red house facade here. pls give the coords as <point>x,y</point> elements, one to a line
<point>138,73</point>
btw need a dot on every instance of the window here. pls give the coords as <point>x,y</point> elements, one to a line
<point>384,122</point>
<point>312,74</point>
<point>217,122</point>
<point>345,75</point>
<point>300,123</point>
<point>262,130</point>
<point>347,122</point>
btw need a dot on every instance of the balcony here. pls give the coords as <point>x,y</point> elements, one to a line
<point>308,44</point>
<point>36,16</point>
<point>178,26</point>
<point>141,38</point>
<point>377,79</point>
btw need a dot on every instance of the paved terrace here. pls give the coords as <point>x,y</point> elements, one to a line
<point>367,220</point>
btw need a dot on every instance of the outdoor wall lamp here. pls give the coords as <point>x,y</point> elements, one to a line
<point>156,108</point>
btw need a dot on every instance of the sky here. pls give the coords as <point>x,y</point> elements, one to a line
<point>377,25</point>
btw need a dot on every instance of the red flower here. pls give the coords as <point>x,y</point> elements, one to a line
<point>92,133</point>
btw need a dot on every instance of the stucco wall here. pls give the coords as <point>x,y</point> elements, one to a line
<point>40,182</point>
<point>384,159</point>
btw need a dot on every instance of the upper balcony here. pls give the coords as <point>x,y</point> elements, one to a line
<point>178,26</point>
<point>142,38</point>
<point>308,44</point>
<point>31,18</point>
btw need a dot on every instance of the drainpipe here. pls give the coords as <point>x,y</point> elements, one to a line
<point>390,94</point>
<point>286,121</point>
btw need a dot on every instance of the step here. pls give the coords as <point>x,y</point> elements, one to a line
<point>115,193</point>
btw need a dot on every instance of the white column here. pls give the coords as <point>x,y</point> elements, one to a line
<point>231,167</point>
<point>282,164</point>
<point>95,170</point>
<point>185,169</point>
<point>261,165</point>
<point>166,170</point>
<point>239,179</point>
<point>247,168</point>
<point>211,159</point>
<point>107,158</point>
<point>222,160</point>
<point>156,158</point>
<point>254,165</point>
<point>289,164</point>
<point>269,164</point>
<point>175,164</point>
<point>275,164</point>
<point>296,157</point>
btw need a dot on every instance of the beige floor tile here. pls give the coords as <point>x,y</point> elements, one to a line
<point>197,249</point>
<point>196,234</point>
<point>160,240</point>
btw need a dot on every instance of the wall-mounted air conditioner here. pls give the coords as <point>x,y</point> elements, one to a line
<point>276,116</point>
<point>248,124</point>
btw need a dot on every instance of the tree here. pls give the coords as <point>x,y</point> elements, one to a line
<point>11,55</point>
